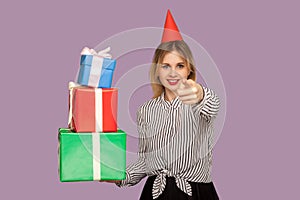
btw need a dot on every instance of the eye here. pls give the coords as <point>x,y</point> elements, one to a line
<point>180,66</point>
<point>165,66</point>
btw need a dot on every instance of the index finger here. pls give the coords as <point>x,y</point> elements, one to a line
<point>186,83</point>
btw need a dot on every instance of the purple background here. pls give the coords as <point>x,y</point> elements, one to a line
<point>255,45</point>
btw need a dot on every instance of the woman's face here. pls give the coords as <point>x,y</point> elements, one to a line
<point>172,70</point>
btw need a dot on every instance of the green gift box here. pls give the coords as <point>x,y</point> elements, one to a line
<point>92,156</point>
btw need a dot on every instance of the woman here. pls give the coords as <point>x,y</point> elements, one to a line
<point>175,128</point>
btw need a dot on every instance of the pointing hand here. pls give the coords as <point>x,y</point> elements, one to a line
<point>190,92</point>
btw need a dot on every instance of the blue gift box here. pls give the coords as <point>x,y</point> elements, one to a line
<point>96,71</point>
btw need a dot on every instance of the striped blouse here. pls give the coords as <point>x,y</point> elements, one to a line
<point>175,140</point>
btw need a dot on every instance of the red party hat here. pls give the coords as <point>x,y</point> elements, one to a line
<point>171,32</point>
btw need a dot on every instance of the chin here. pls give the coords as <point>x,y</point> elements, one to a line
<point>172,89</point>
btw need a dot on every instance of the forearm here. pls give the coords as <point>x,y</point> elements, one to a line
<point>134,173</point>
<point>209,105</point>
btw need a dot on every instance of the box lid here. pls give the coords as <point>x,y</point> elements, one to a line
<point>109,64</point>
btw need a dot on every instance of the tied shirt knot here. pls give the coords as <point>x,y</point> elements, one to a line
<point>160,183</point>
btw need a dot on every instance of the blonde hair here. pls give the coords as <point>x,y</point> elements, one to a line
<point>164,48</point>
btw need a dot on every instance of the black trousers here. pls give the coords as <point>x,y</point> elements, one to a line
<point>200,191</point>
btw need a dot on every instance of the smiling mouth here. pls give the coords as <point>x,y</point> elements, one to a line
<point>173,81</point>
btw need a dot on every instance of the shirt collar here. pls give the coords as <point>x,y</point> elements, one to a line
<point>175,103</point>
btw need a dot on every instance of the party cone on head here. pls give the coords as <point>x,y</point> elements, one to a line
<point>171,32</point>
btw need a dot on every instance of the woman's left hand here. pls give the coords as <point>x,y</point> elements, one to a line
<point>190,92</point>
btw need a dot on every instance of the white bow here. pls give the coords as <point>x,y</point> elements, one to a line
<point>72,85</point>
<point>104,53</point>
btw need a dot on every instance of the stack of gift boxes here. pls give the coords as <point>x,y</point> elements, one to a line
<point>92,148</point>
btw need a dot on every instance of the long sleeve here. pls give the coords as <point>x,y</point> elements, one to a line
<point>135,172</point>
<point>209,106</point>
<point>174,140</point>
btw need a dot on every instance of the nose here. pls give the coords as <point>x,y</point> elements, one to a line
<point>173,72</point>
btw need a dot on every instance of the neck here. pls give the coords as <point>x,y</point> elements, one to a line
<point>169,95</point>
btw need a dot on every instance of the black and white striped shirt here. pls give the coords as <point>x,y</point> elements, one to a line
<point>175,140</point>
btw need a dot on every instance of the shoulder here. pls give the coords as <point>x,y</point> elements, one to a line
<point>148,106</point>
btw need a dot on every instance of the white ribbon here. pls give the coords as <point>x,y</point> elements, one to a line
<point>72,85</point>
<point>103,54</point>
<point>96,70</point>
<point>98,110</point>
<point>96,157</point>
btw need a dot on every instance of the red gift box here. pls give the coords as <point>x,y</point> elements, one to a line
<point>93,109</point>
